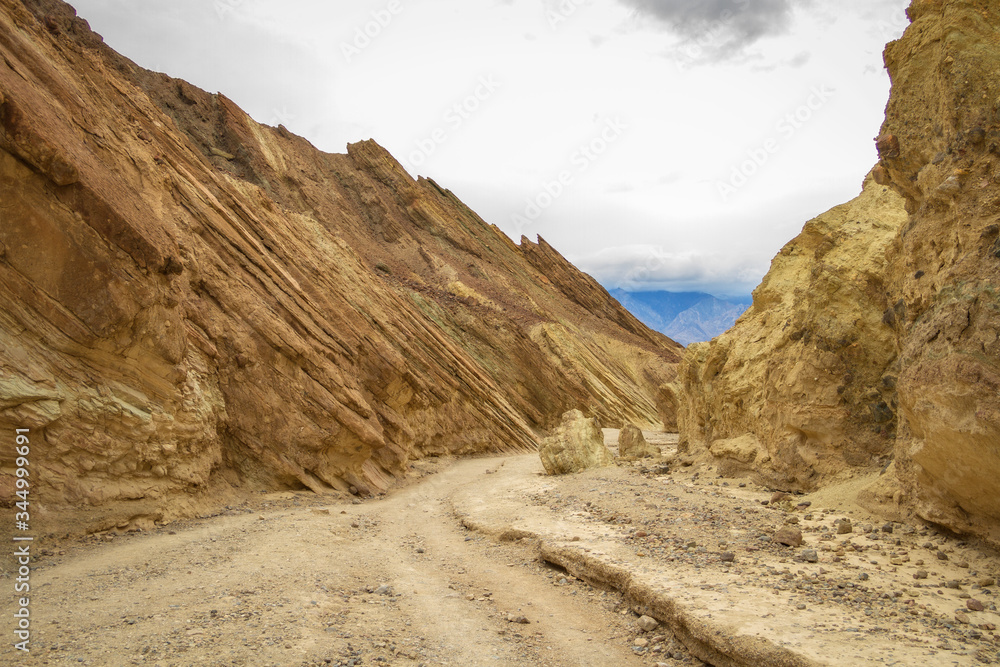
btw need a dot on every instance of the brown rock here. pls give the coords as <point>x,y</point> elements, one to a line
<point>779,496</point>
<point>974,605</point>
<point>789,536</point>
<point>632,444</point>
<point>949,358</point>
<point>844,527</point>
<point>648,623</point>
<point>209,306</point>
<point>575,445</point>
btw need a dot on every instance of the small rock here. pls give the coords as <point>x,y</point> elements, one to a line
<point>384,589</point>
<point>779,496</point>
<point>964,564</point>
<point>942,555</point>
<point>863,576</point>
<point>512,618</point>
<point>789,536</point>
<point>641,642</point>
<point>648,623</point>
<point>810,556</point>
<point>727,557</point>
<point>987,582</point>
<point>974,605</point>
<point>920,574</point>
<point>953,584</point>
<point>887,528</point>
<point>845,527</point>
<point>420,550</point>
<point>962,618</point>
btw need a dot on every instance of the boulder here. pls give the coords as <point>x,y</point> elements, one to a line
<point>632,443</point>
<point>575,445</point>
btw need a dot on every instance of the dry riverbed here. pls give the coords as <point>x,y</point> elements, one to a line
<point>490,562</point>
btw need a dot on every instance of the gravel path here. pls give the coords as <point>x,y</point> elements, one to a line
<point>490,562</point>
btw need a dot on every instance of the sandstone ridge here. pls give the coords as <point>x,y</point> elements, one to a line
<point>872,342</point>
<point>194,305</point>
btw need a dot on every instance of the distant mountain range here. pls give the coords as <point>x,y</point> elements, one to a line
<point>686,317</point>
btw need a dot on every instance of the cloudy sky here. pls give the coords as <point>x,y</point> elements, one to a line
<point>659,144</point>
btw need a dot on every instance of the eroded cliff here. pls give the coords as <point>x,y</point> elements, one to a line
<point>801,388</point>
<point>194,305</point>
<point>875,334</point>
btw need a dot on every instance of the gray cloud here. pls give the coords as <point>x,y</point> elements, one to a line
<point>717,29</point>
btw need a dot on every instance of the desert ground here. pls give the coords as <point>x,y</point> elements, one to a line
<point>488,561</point>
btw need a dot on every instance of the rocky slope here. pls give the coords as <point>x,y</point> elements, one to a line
<point>797,391</point>
<point>889,348</point>
<point>193,305</point>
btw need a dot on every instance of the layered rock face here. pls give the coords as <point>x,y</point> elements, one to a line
<point>191,302</point>
<point>886,344</point>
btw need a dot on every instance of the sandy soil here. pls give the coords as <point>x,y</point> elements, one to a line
<point>490,562</point>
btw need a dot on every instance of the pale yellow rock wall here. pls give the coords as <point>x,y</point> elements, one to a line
<point>944,267</point>
<point>805,374</point>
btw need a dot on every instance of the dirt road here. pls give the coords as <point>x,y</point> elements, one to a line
<point>449,570</point>
<point>297,580</point>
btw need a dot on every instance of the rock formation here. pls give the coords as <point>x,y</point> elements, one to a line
<point>874,335</point>
<point>194,305</point>
<point>939,149</point>
<point>576,444</point>
<point>631,443</point>
<point>798,390</point>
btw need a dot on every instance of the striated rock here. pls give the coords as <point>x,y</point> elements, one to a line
<point>802,387</point>
<point>195,306</point>
<point>632,443</point>
<point>575,445</point>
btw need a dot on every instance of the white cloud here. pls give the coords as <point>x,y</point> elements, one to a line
<point>655,185</point>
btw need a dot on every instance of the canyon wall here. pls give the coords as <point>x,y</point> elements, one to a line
<point>872,342</point>
<point>195,306</point>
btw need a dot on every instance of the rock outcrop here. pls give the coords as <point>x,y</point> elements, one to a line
<point>875,335</point>
<point>939,149</point>
<point>802,387</point>
<point>194,305</point>
<point>632,443</point>
<point>575,445</point>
